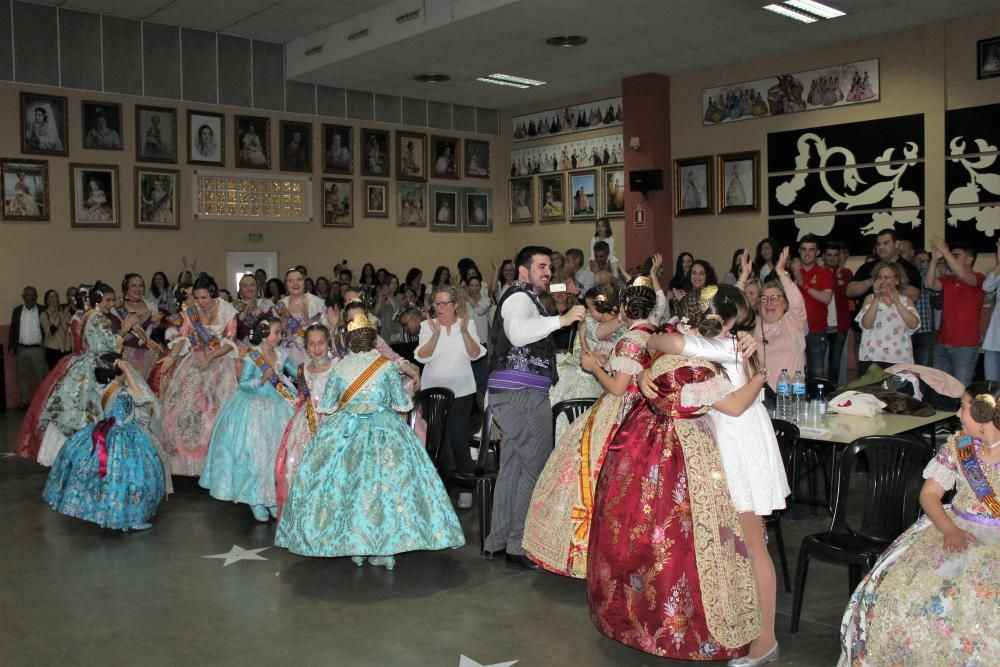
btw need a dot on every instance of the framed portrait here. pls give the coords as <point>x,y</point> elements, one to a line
<point>296,145</point>
<point>155,134</point>
<point>338,149</point>
<point>551,198</point>
<point>693,186</point>
<point>375,144</point>
<point>583,195</point>
<point>25,190</point>
<point>376,199</point>
<point>477,210</point>
<point>206,138</point>
<point>988,58</point>
<point>253,142</point>
<point>613,193</point>
<point>411,164</point>
<point>477,158</point>
<point>738,182</point>
<point>102,125</point>
<point>522,199</point>
<point>445,153</point>
<point>157,198</point>
<point>445,209</point>
<point>411,205</point>
<point>94,195</point>
<point>44,123</point>
<point>338,202</point>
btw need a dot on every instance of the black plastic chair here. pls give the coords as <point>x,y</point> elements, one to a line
<point>571,409</point>
<point>435,402</point>
<point>788,438</point>
<point>894,462</point>
<point>481,480</point>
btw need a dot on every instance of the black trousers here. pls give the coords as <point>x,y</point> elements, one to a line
<point>457,433</point>
<point>52,357</point>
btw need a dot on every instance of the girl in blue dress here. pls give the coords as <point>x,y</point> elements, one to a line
<point>365,486</point>
<point>111,473</point>
<point>247,433</point>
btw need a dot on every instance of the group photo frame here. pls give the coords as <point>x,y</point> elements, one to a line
<point>738,182</point>
<point>253,142</point>
<point>693,186</point>
<point>411,152</point>
<point>102,125</point>
<point>25,190</point>
<point>157,198</point>
<point>44,124</point>
<point>206,138</point>
<point>94,196</point>
<point>155,134</point>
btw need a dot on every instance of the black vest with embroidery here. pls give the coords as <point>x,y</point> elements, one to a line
<point>538,357</point>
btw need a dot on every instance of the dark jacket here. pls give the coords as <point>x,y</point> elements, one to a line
<point>15,327</point>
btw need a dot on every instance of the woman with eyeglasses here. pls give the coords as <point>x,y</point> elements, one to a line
<point>447,347</point>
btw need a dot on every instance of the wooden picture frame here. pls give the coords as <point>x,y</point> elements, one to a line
<point>295,141</point>
<point>91,203</point>
<point>253,142</point>
<point>446,153</point>
<point>552,198</point>
<point>157,198</point>
<point>338,149</point>
<point>94,114</point>
<point>25,189</point>
<point>988,58</point>
<point>445,208</point>
<point>206,138</point>
<point>477,210</point>
<point>376,153</point>
<point>411,205</point>
<point>44,124</point>
<point>476,159</point>
<point>338,202</point>
<point>376,199</point>
<point>613,192</point>
<point>738,182</point>
<point>521,200</point>
<point>155,140</point>
<point>411,156</point>
<point>584,190</point>
<point>693,192</point>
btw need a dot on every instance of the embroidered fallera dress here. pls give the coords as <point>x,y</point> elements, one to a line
<point>922,605</point>
<point>365,485</point>
<point>558,523</point>
<point>294,340</point>
<point>668,570</point>
<point>137,347</point>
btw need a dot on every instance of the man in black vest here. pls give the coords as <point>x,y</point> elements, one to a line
<point>522,369</point>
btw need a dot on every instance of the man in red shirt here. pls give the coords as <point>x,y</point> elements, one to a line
<point>957,347</point>
<point>838,321</point>
<point>816,284</point>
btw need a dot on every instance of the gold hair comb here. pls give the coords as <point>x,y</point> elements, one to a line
<point>600,298</point>
<point>359,321</point>
<point>706,296</point>
<point>642,281</point>
<point>988,399</point>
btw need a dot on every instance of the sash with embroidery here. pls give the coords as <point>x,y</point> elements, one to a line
<point>295,326</point>
<point>260,362</point>
<point>139,332</point>
<point>203,337</point>
<point>307,397</point>
<point>83,326</point>
<point>973,472</point>
<point>249,320</point>
<point>361,380</point>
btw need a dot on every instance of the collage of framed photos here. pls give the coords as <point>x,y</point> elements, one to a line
<point>94,188</point>
<point>578,196</point>
<point>728,183</point>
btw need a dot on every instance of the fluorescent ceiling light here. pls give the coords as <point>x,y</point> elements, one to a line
<point>815,8</point>
<point>498,82</point>
<point>517,79</point>
<point>791,13</point>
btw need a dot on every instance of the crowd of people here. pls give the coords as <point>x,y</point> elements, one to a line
<point>295,397</point>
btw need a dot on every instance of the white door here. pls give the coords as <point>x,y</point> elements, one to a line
<point>238,263</point>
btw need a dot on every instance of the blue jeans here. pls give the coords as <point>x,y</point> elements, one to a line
<point>816,355</point>
<point>958,361</point>
<point>991,365</point>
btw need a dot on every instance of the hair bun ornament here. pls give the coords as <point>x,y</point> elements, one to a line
<point>600,298</point>
<point>706,296</point>
<point>354,303</point>
<point>359,321</point>
<point>987,398</point>
<point>642,281</point>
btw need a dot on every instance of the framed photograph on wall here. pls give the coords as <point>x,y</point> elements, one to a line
<point>551,198</point>
<point>522,199</point>
<point>25,190</point>
<point>157,198</point>
<point>253,142</point>
<point>693,186</point>
<point>411,205</point>
<point>155,134</point>
<point>296,145</point>
<point>583,195</point>
<point>376,199</point>
<point>445,151</point>
<point>94,195</point>
<point>206,138</point>
<point>477,158</point>
<point>102,125</point>
<point>613,192</point>
<point>477,210</point>
<point>338,202</point>
<point>412,161</point>
<point>988,58</point>
<point>338,149</point>
<point>738,182</point>
<point>445,209</point>
<point>375,144</point>
<point>44,124</point>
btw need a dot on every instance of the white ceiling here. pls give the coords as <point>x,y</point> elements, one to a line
<point>626,37</point>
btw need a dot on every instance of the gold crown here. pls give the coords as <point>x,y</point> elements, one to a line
<point>642,281</point>
<point>706,296</point>
<point>359,321</point>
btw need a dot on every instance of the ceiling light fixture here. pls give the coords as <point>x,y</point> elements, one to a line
<point>516,79</point>
<point>791,13</point>
<point>431,78</point>
<point>815,8</point>
<point>497,82</point>
<point>566,40</point>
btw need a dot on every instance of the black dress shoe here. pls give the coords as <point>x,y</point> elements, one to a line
<point>492,555</point>
<point>521,561</point>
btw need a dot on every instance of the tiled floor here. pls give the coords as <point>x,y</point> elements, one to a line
<point>71,594</point>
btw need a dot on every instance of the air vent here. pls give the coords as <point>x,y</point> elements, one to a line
<point>431,78</point>
<point>408,16</point>
<point>354,36</point>
<point>315,51</point>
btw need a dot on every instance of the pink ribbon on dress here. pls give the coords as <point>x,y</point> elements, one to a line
<point>99,436</point>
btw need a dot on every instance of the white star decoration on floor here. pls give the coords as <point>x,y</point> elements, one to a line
<point>238,553</point>
<point>466,661</point>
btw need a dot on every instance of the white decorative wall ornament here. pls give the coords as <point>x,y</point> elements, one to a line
<point>963,200</point>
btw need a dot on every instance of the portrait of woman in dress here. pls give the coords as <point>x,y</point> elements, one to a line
<point>44,124</point>
<point>254,150</point>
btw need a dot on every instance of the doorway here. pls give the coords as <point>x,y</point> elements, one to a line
<point>239,263</point>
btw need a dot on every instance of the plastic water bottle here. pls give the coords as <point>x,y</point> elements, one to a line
<point>821,405</point>
<point>784,392</point>
<point>799,398</point>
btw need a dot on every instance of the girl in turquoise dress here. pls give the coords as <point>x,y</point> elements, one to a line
<point>365,486</point>
<point>111,473</point>
<point>247,433</point>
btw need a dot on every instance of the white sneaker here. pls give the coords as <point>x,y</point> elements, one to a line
<point>464,501</point>
<point>474,453</point>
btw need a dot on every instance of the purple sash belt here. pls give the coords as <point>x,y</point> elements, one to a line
<point>976,518</point>
<point>509,380</point>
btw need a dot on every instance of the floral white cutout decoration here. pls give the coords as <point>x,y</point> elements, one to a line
<point>963,200</point>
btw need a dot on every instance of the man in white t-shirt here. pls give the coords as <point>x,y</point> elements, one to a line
<point>25,345</point>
